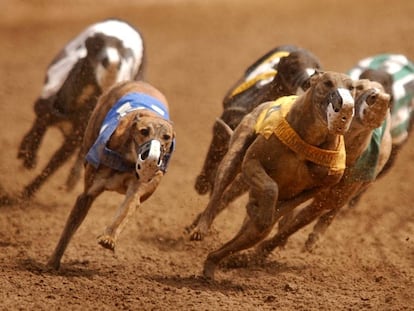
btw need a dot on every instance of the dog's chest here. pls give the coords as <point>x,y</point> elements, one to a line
<point>294,175</point>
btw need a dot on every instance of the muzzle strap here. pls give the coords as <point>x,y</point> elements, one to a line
<point>116,161</point>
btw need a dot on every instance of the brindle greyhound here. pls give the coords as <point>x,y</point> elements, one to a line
<point>297,148</point>
<point>103,54</point>
<point>285,70</point>
<point>128,142</point>
<point>368,145</point>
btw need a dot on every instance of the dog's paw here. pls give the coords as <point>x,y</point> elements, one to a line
<point>28,158</point>
<point>107,242</point>
<point>202,186</point>
<point>310,243</point>
<point>53,264</point>
<point>197,234</point>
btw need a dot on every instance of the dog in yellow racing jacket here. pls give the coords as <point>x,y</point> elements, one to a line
<point>128,142</point>
<point>300,152</point>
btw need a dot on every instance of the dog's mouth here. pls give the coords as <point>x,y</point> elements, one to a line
<point>149,160</point>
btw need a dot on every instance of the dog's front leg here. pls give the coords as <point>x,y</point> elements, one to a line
<point>137,192</point>
<point>57,160</point>
<point>76,217</point>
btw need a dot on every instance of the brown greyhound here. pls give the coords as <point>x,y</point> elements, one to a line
<point>368,145</point>
<point>103,54</point>
<point>297,148</point>
<point>128,142</point>
<point>285,70</point>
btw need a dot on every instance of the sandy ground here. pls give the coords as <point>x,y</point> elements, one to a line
<point>196,51</point>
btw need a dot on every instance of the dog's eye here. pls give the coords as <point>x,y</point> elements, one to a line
<point>144,132</point>
<point>166,137</point>
<point>329,84</point>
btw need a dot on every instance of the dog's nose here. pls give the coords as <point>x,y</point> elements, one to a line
<point>149,160</point>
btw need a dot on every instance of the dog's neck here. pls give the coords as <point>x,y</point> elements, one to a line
<point>309,125</point>
<point>357,140</point>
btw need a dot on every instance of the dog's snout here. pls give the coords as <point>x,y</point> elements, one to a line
<point>105,62</point>
<point>149,159</point>
<point>110,57</point>
<point>340,110</point>
<point>372,98</point>
<point>336,100</point>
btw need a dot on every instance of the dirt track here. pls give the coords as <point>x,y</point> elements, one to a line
<point>196,51</point>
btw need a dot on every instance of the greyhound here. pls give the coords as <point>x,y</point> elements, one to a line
<point>127,146</point>
<point>297,147</point>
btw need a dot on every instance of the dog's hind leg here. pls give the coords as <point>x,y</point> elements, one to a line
<point>217,150</point>
<point>204,220</point>
<point>30,143</point>
<point>136,193</point>
<point>227,171</point>
<point>261,212</point>
<point>336,198</point>
<point>222,132</point>
<point>59,157</point>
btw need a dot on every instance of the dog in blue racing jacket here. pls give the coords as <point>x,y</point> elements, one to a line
<point>127,146</point>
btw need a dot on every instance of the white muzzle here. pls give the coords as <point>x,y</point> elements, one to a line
<point>340,112</point>
<point>149,160</point>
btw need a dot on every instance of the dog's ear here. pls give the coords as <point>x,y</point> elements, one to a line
<point>94,44</point>
<point>315,77</point>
